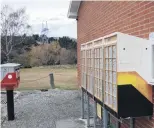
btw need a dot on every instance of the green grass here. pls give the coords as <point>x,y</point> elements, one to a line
<point>65,77</point>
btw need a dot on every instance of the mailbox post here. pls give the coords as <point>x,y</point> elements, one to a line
<point>10,79</point>
<point>10,104</point>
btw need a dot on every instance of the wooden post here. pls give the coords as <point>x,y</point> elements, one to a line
<point>52,80</point>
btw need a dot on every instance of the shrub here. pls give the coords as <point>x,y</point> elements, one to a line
<point>45,54</point>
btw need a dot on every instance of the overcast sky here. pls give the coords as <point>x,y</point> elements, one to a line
<point>52,11</point>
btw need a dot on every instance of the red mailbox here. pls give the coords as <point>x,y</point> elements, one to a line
<point>10,76</point>
<point>10,79</point>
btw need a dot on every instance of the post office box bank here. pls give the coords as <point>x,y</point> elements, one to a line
<point>122,73</point>
<point>128,71</point>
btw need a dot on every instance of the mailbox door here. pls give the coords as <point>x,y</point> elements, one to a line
<point>4,72</point>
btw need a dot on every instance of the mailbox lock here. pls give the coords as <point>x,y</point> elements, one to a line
<point>10,76</point>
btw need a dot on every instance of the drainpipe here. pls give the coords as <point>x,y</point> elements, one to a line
<point>118,124</point>
<point>105,118</point>
<point>82,104</point>
<point>132,122</point>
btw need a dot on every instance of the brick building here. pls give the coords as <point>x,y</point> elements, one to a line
<point>97,19</point>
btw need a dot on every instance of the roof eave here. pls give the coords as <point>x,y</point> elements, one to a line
<point>73,9</point>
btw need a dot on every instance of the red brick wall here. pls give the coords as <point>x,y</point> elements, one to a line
<point>97,19</point>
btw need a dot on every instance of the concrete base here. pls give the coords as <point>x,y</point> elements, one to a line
<point>71,123</point>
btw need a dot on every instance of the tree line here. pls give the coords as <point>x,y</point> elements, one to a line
<point>20,47</point>
<point>32,52</point>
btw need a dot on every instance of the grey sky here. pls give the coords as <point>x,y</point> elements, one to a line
<point>52,11</point>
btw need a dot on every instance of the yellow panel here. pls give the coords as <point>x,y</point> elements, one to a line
<point>99,110</point>
<point>137,81</point>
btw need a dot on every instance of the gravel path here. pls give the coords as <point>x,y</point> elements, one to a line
<point>50,109</point>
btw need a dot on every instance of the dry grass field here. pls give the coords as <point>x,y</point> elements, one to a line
<point>65,77</point>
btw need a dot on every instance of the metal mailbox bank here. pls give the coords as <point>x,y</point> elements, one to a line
<point>10,78</point>
<point>119,74</point>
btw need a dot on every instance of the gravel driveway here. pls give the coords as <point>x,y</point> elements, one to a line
<point>50,109</point>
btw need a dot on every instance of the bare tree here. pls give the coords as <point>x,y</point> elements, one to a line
<point>13,29</point>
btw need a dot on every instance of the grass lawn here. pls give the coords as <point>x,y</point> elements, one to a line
<point>65,77</point>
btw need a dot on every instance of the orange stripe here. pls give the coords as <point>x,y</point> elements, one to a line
<point>137,81</point>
